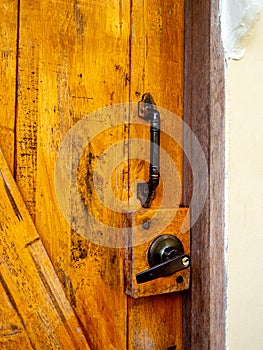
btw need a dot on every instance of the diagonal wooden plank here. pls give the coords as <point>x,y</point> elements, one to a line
<point>41,316</point>
<point>12,332</point>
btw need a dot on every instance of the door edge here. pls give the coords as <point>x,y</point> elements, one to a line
<point>204,110</point>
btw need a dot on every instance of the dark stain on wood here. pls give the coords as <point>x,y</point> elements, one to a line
<point>68,286</point>
<point>12,331</point>
<point>79,247</point>
<point>78,19</point>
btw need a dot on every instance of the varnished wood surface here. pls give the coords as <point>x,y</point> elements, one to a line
<point>74,58</point>
<point>163,313</point>
<point>35,313</point>
<point>204,311</point>
<point>157,61</point>
<point>8,52</point>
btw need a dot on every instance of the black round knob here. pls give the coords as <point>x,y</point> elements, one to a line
<point>165,257</point>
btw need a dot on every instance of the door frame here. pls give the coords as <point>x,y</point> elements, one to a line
<point>204,303</point>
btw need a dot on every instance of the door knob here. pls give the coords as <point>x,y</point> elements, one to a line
<point>148,112</point>
<point>165,257</point>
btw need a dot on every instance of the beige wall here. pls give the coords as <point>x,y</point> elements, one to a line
<point>245,196</point>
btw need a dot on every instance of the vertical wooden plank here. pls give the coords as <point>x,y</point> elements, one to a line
<point>157,48</point>
<point>8,50</point>
<point>74,59</point>
<point>34,297</point>
<point>204,312</point>
<point>157,66</point>
<point>155,322</point>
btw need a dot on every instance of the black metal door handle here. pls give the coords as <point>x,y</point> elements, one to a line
<point>147,111</point>
<point>165,257</point>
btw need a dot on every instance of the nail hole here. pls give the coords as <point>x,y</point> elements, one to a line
<point>179,279</point>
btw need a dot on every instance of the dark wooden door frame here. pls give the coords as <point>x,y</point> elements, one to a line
<point>204,304</point>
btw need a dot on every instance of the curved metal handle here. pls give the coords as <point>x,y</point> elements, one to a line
<point>147,111</point>
<point>166,268</point>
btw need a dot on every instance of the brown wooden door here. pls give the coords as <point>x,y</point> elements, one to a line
<point>63,60</point>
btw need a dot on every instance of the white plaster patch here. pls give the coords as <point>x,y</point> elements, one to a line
<point>238,17</point>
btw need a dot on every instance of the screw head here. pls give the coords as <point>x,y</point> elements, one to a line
<point>146,225</point>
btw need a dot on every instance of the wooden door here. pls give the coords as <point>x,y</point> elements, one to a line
<point>34,311</point>
<point>69,59</point>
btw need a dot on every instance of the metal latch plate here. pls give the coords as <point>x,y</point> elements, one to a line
<point>146,225</point>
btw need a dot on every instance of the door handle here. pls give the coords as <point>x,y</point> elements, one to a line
<point>148,112</point>
<point>165,257</point>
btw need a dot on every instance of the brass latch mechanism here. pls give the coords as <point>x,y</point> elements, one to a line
<point>148,112</point>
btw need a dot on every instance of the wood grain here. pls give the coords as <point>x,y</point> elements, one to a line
<point>155,322</point>
<point>204,312</point>
<point>74,59</point>
<point>8,36</point>
<point>12,333</point>
<point>157,65</point>
<point>157,47</point>
<point>39,315</point>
